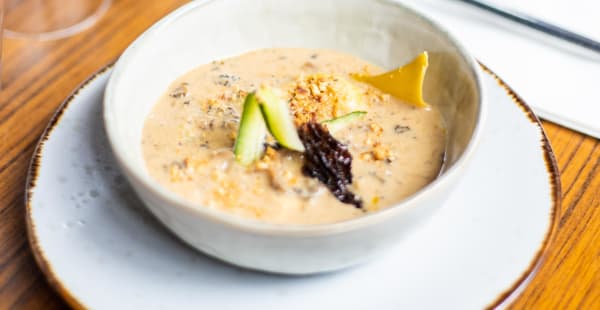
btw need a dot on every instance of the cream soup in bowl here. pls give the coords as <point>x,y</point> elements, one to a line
<point>188,139</point>
<point>301,224</point>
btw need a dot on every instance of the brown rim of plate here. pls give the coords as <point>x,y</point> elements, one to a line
<point>519,285</point>
<point>32,175</point>
<point>504,298</point>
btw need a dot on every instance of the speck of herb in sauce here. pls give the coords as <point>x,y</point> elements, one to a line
<point>180,91</point>
<point>231,111</point>
<point>275,145</point>
<point>314,56</point>
<point>376,176</point>
<point>399,129</point>
<point>225,79</point>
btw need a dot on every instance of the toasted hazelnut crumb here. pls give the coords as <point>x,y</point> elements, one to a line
<point>192,164</point>
<point>226,193</point>
<point>376,129</point>
<point>366,156</point>
<point>380,152</point>
<point>317,96</point>
<point>270,152</point>
<point>262,165</point>
<point>177,173</point>
<point>211,101</point>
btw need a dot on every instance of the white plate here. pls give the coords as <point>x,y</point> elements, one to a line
<point>100,249</point>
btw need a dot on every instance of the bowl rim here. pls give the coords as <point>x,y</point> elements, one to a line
<point>172,200</point>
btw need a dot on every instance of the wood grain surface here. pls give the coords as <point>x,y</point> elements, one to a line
<point>37,77</point>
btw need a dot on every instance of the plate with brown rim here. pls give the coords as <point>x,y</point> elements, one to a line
<point>100,249</point>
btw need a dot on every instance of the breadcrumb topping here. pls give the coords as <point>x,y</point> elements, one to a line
<point>320,97</point>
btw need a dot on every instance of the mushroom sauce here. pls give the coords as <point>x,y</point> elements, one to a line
<point>189,135</point>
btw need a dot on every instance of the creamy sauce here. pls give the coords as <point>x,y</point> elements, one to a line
<point>189,135</point>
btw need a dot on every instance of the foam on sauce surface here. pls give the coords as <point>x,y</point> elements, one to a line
<point>189,135</point>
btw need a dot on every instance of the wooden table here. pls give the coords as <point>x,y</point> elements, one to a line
<point>37,77</point>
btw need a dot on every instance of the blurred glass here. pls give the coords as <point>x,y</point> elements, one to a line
<point>50,19</point>
<point>1,33</point>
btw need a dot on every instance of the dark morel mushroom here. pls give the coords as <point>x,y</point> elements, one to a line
<point>329,161</point>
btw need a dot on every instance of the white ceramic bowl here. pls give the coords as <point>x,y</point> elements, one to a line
<point>380,31</point>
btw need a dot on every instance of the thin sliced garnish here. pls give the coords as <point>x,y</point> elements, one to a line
<point>278,118</point>
<point>404,83</point>
<point>249,145</point>
<point>338,123</point>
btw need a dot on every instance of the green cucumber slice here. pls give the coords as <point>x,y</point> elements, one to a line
<point>343,121</point>
<point>249,144</point>
<point>279,120</point>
